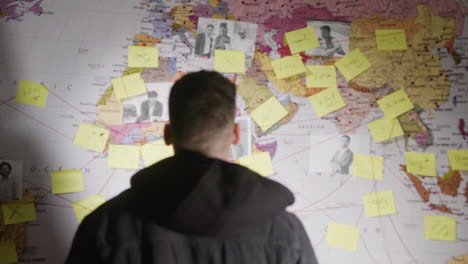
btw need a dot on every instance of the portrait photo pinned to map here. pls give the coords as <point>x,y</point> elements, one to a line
<point>11,175</point>
<point>151,107</point>
<point>333,153</point>
<point>244,148</point>
<point>333,37</point>
<point>226,35</point>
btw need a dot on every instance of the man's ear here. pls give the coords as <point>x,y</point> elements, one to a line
<point>236,134</point>
<point>167,134</point>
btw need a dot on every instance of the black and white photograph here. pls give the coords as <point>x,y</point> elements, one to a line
<point>244,148</point>
<point>333,37</point>
<point>333,154</point>
<point>11,176</point>
<point>225,34</point>
<point>151,107</point>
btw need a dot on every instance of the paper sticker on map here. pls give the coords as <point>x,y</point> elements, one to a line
<point>440,228</point>
<point>123,157</point>
<point>142,56</point>
<point>8,252</point>
<point>32,93</point>
<point>321,76</point>
<point>302,39</point>
<point>395,104</point>
<point>390,39</point>
<point>85,206</point>
<point>342,236</point>
<point>230,61</point>
<point>129,86</point>
<point>92,137</point>
<point>353,64</point>
<point>259,163</point>
<point>367,166</point>
<point>155,151</point>
<point>288,66</point>
<point>458,159</point>
<point>385,128</point>
<point>423,164</point>
<point>67,181</point>
<point>21,211</point>
<point>379,203</point>
<point>327,101</point>
<point>268,113</point>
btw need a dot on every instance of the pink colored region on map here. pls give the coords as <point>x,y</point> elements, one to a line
<point>12,8</point>
<point>119,132</point>
<point>202,10</point>
<point>268,147</point>
<point>421,138</point>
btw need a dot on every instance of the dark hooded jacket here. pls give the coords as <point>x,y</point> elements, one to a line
<point>193,209</point>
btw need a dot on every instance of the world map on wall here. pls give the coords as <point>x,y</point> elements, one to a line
<point>76,48</point>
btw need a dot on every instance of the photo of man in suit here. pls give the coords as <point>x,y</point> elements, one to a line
<point>151,109</point>
<point>342,158</point>
<point>204,43</point>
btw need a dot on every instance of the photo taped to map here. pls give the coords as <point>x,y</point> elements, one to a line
<point>333,37</point>
<point>11,178</point>
<point>333,153</point>
<point>151,107</point>
<point>226,35</point>
<point>244,147</point>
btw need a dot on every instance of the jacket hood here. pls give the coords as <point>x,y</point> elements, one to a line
<point>195,194</point>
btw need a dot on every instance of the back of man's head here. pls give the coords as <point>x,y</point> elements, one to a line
<point>201,110</point>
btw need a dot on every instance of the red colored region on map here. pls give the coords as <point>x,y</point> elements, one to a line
<point>461,127</point>
<point>16,9</point>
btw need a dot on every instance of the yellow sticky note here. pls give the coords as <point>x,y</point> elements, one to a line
<point>423,164</point>
<point>259,163</point>
<point>31,93</point>
<point>319,76</point>
<point>123,157</point>
<point>440,228</point>
<point>353,64</point>
<point>85,206</point>
<point>379,203</point>
<point>395,104</point>
<point>129,86</point>
<point>142,56</point>
<point>268,113</point>
<point>458,159</point>
<point>385,128</point>
<point>390,39</point>
<point>327,101</point>
<point>230,61</point>
<point>342,236</point>
<point>91,137</point>
<point>302,39</point>
<point>67,181</point>
<point>367,166</point>
<point>21,211</point>
<point>8,252</point>
<point>288,66</point>
<point>156,151</point>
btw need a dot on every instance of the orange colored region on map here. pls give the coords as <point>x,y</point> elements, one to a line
<point>145,40</point>
<point>450,182</point>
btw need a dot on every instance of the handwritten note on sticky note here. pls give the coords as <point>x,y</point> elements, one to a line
<point>302,39</point>
<point>327,101</point>
<point>156,151</point>
<point>458,159</point>
<point>268,113</point>
<point>85,206</point>
<point>367,166</point>
<point>230,61</point>
<point>390,39</point>
<point>321,76</point>
<point>21,211</point>
<point>342,236</point>
<point>353,64</point>
<point>123,157</point>
<point>129,86</point>
<point>395,104</point>
<point>142,56</point>
<point>8,252</point>
<point>379,203</point>
<point>92,137</point>
<point>32,93</point>
<point>440,228</point>
<point>423,164</point>
<point>67,181</point>
<point>288,66</point>
<point>258,162</point>
<point>385,128</point>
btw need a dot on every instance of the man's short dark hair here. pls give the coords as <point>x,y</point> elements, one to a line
<point>5,164</point>
<point>201,104</point>
<point>326,28</point>
<point>211,26</point>
<point>347,137</point>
